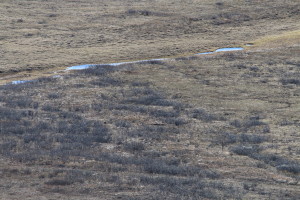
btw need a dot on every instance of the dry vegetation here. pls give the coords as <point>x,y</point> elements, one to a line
<point>219,126</point>
<point>228,128</point>
<point>41,34</point>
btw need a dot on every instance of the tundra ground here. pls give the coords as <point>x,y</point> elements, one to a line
<point>218,126</point>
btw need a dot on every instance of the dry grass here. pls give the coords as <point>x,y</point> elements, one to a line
<point>53,34</point>
<point>229,118</point>
<point>289,38</point>
<point>219,126</point>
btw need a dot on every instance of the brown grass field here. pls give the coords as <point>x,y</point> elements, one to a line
<point>53,34</point>
<point>218,126</point>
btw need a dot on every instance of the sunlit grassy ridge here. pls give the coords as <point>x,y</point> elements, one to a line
<point>289,38</point>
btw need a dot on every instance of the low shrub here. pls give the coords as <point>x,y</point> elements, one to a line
<point>134,146</point>
<point>50,108</point>
<point>152,62</point>
<point>10,114</point>
<point>43,80</point>
<point>69,115</point>
<point>266,129</point>
<point>240,66</point>
<point>285,122</point>
<point>54,96</point>
<point>153,132</point>
<point>146,100</point>
<point>252,122</point>
<point>290,78</point>
<point>123,124</point>
<point>60,182</point>
<point>161,167</point>
<point>145,13</point>
<point>202,115</point>
<point>163,113</point>
<point>245,150</point>
<point>7,146</point>
<point>132,108</point>
<point>236,123</point>
<point>292,168</point>
<point>140,84</point>
<point>253,139</point>
<point>175,121</point>
<point>188,188</point>
<point>106,81</point>
<point>98,70</point>
<point>286,81</point>
<point>228,138</point>
<point>254,68</point>
<point>20,101</point>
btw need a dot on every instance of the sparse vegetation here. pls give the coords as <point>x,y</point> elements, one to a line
<point>120,129</point>
<point>215,126</point>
